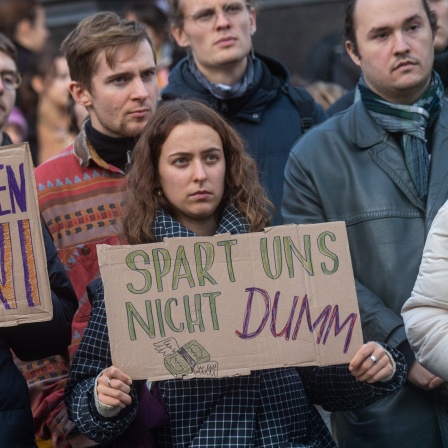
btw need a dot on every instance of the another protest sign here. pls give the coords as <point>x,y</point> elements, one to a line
<point>25,294</point>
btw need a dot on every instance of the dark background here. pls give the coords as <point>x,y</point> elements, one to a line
<point>286,29</point>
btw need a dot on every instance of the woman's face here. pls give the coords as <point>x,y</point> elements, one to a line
<point>217,31</point>
<point>57,88</point>
<point>38,31</point>
<point>192,171</point>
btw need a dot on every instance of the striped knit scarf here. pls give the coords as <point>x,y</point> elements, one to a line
<point>165,226</point>
<point>412,122</point>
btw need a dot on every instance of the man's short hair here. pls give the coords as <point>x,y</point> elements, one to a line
<point>350,33</point>
<point>7,47</point>
<point>102,31</point>
<point>12,12</point>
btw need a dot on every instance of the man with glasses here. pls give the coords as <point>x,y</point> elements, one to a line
<point>23,21</point>
<point>252,91</point>
<point>11,80</point>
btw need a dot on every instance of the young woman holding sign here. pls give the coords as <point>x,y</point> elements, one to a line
<point>191,176</point>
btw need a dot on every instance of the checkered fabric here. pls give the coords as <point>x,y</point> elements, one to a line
<point>269,408</point>
<point>165,226</point>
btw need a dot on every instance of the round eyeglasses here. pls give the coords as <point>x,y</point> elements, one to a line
<point>11,80</point>
<point>206,18</point>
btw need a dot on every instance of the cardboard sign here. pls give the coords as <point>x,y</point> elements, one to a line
<point>229,304</point>
<point>25,294</point>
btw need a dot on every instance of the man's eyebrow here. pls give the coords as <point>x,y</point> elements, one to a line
<point>413,18</point>
<point>378,30</point>
<point>202,10</point>
<point>117,75</point>
<point>407,21</point>
<point>124,73</point>
<point>149,68</point>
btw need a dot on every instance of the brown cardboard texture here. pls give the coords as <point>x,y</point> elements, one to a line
<point>229,304</point>
<point>25,294</point>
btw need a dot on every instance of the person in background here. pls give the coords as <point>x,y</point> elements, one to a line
<point>381,167</point>
<point>50,84</point>
<point>324,93</point>
<point>440,8</point>
<point>113,75</point>
<point>252,91</point>
<point>328,61</point>
<point>23,21</point>
<point>190,176</point>
<point>78,115</point>
<point>156,22</point>
<point>10,81</point>
<point>425,313</point>
<point>27,341</point>
<point>16,127</point>
<point>329,72</point>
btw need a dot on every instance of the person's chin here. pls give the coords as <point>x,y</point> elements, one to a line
<point>134,130</point>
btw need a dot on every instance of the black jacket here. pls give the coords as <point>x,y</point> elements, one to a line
<point>30,342</point>
<point>266,116</point>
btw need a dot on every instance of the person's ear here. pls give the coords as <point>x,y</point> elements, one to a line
<point>180,36</point>
<point>253,20</point>
<point>352,52</point>
<point>37,83</point>
<point>80,94</point>
<point>23,29</point>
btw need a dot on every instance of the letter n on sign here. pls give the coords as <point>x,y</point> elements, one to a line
<point>25,295</point>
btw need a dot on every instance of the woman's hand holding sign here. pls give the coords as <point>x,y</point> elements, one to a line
<point>372,363</point>
<point>113,388</point>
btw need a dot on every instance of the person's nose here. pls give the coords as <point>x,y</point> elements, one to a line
<point>140,90</point>
<point>222,21</point>
<point>199,172</point>
<point>401,44</point>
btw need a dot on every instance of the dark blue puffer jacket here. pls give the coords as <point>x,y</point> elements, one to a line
<point>265,116</point>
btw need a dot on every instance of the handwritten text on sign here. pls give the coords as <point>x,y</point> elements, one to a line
<point>24,290</point>
<point>285,297</point>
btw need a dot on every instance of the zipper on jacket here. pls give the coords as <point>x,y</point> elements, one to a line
<point>224,107</point>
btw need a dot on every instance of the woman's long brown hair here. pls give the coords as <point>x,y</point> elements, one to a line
<point>143,198</point>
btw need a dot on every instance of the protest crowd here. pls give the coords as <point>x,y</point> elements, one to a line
<point>159,134</point>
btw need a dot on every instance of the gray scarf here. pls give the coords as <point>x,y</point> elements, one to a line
<point>412,121</point>
<point>221,91</point>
